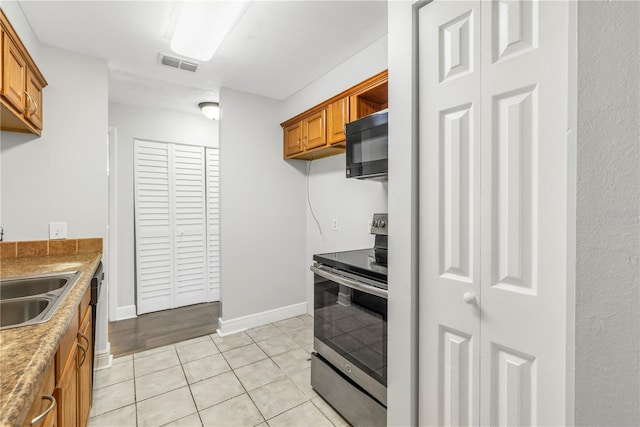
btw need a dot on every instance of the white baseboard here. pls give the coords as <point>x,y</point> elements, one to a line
<point>239,324</point>
<point>103,358</point>
<point>126,312</point>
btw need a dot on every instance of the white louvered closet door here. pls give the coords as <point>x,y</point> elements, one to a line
<point>154,229</point>
<point>189,192</point>
<point>171,226</point>
<point>213,221</point>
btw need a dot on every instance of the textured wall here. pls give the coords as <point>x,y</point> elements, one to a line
<point>608,202</point>
<point>262,220</point>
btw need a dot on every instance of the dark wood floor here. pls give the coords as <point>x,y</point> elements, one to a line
<point>163,328</point>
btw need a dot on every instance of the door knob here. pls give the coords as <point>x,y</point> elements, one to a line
<point>469,298</point>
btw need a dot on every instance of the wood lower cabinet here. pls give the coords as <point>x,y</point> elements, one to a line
<point>21,108</point>
<point>66,392</point>
<point>70,372</point>
<point>320,131</point>
<point>84,357</point>
<point>44,411</point>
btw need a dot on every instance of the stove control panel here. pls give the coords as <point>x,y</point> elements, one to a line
<point>379,224</point>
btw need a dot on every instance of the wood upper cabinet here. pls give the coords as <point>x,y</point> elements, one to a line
<point>337,117</point>
<point>14,79</point>
<point>21,108</point>
<point>293,139</point>
<point>369,98</point>
<point>314,130</point>
<point>306,134</point>
<point>319,131</point>
<point>33,111</point>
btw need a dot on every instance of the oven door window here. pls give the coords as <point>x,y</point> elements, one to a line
<point>354,324</point>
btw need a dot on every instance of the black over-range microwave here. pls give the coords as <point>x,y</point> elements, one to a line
<point>367,147</point>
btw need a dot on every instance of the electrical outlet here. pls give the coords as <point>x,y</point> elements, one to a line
<point>57,230</point>
<point>334,224</point>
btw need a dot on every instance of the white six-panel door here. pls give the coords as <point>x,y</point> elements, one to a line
<point>449,213</point>
<point>493,212</point>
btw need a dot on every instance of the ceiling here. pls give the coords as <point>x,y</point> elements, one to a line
<point>276,48</point>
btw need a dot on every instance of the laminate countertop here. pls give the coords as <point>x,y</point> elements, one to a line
<point>26,352</point>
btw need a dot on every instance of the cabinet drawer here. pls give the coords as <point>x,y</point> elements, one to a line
<point>67,347</point>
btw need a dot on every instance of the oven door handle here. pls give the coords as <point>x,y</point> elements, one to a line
<point>350,283</point>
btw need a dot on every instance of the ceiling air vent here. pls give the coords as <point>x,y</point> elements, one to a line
<point>172,61</point>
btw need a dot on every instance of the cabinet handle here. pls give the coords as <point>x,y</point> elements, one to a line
<point>31,101</point>
<point>304,142</point>
<point>84,354</point>
<point>28,107</point>
<point>42,416</point>
<point>84,337</point>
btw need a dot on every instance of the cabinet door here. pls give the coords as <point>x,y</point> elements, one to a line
<point>15,74</point>
<point>41,404</point>
<point>293,139</point>
<point>337,117</point>
<point>314,131</point>
<point>84,356</point>
<point>66,392</point>
<point>33,111</point>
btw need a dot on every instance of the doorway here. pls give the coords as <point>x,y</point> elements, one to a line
<point>176,225</point>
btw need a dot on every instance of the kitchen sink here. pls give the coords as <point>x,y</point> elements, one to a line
<point>19,311</point>
<point>32,286</point>
<point>34,299</point>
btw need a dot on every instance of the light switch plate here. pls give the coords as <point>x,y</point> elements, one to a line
<point>57,230</point>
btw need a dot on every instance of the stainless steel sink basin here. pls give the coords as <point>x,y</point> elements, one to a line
<point>18,311</point>
<point>28,287</point>
<point>34,299</point>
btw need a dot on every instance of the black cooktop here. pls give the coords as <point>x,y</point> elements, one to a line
<point>362,262</point>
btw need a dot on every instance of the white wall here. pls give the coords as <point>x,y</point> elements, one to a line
<point>62,175</point>
<point>153,124</point>
<point>608,207</point>
<point>352,202</point>
<point>262,212</point>
<point>402,373</point>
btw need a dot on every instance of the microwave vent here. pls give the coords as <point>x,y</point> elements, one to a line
<point>181,64</point>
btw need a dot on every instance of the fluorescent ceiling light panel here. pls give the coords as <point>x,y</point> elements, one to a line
<point>203,25</point>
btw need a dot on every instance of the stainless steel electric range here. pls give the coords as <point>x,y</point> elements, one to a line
<point>349,362</point>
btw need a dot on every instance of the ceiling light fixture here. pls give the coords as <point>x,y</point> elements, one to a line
<point>203,25</point>
<point>210,109</point>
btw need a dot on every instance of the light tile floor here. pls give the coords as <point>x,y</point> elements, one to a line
<point>260,377</point>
